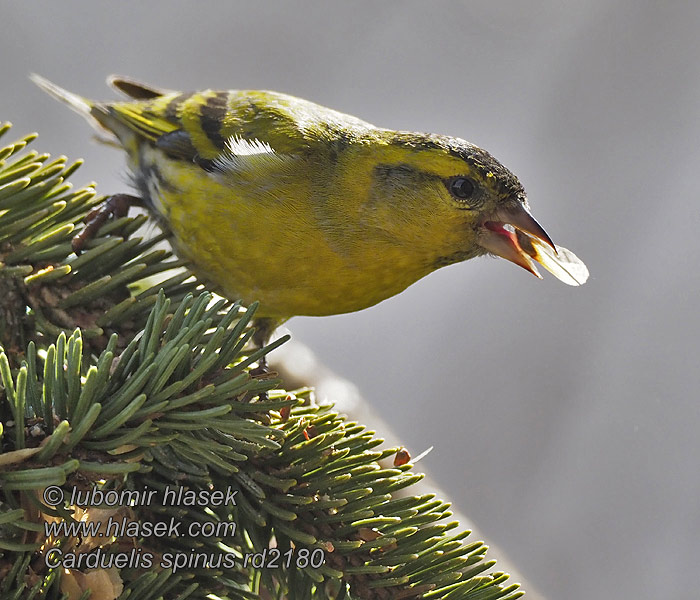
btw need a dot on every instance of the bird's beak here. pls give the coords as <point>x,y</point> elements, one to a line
<point>514,234</point>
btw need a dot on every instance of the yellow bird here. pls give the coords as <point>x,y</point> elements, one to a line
<point>309,210</point>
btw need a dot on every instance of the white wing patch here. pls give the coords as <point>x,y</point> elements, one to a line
<point>243,156</point>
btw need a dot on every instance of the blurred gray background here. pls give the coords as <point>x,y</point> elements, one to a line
<point>565,421</point>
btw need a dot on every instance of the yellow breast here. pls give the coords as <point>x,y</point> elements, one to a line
<point>276,245</point>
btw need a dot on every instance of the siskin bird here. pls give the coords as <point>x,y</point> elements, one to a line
<point>309,210</point>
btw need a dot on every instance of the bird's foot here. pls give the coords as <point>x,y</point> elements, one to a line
<point>116,206</point>
<point>262,371</point>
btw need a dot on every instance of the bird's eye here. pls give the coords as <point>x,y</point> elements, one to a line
<point>461,188</point>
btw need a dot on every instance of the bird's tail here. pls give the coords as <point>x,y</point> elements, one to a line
<point>79,104</point>
<point>98,115</point>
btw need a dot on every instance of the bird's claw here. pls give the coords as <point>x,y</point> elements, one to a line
<point>115,206</point>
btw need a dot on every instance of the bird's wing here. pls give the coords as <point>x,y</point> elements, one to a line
<point>135,118</point>
<point>195,125</point>
<point>225,132</point>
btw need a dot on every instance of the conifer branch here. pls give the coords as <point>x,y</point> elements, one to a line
<point>114,383</point>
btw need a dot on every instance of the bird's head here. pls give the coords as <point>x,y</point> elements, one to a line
<point>452,201</point>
